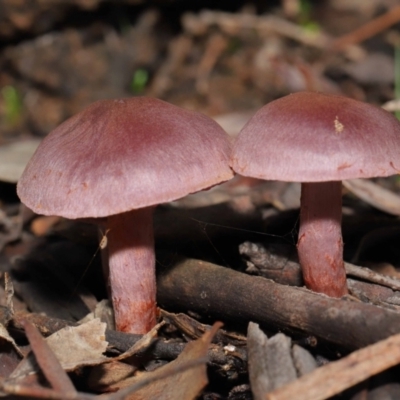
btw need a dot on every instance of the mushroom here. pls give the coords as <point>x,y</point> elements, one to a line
<point>319,140</point>
<point>118,159</point>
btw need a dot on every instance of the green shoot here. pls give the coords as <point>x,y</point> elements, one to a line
<point>12,104</point>
<point>139,80</point>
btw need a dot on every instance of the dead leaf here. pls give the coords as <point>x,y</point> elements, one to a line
<point>183,385</point>
<point>74,347</point>
<point>80,345</point>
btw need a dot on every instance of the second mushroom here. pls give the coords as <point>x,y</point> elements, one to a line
<point>118,159</point>
<point>319,140</point>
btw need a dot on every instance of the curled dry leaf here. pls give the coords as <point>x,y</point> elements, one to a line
<point>5,337</point>
<point>10,354</point>
<point>176,385</point>
<point>74,347</point>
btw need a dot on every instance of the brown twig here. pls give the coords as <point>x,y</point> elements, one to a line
<point>48,362</point>
<point>368,30</point>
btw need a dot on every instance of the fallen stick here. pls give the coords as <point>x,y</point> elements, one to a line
<point>368,30</point>
<point>225,294</point>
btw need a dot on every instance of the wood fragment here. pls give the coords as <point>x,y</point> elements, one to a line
<point>226,294</point>
<point>286,271</point>
<point>337,376</point>
<point>372,276</point>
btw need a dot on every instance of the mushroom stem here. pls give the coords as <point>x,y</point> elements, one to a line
<point>132,270</point>
<point>320,244</point>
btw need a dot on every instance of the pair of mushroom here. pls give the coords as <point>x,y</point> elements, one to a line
<point>120,158</point>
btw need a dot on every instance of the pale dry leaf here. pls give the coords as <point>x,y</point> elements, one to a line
<point>81,345</point>
<point>74,346</point>
<point>104,311</point>
<point>14,157</point>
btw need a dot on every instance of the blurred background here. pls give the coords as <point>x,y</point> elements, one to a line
<point>224,58</point>
<point>218,57</point>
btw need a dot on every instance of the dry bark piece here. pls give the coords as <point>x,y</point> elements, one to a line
<point>222,293</point>
<point>256,343</point>
<point>329,138</point>
<point>270,361</point>
<point>146,152</point>
<point>303,360</point>
<point>337,376</point>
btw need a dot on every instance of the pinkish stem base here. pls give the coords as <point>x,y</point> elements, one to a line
<point>320,244</point>
<point>132,270</point>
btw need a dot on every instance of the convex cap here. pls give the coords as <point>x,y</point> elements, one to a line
<point>118,155</point>
<point>313,137</point>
